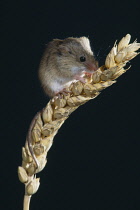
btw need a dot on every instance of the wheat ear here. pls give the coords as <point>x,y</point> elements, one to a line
<point>46,123</point>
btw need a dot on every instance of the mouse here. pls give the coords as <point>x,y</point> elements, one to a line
<point>64,62</point>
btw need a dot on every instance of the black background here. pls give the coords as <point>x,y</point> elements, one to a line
<point>94,162</point>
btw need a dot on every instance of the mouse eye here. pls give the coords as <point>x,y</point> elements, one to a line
<point>82,58</point>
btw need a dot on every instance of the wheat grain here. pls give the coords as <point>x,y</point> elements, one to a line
<point>51,118</point>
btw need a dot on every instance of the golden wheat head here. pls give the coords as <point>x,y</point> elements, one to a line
<point>46,123</point>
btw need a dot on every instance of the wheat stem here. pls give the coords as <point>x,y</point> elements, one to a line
<point>46,123</point>
<point>26,202</point>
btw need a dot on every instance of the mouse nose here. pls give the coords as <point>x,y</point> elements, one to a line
<point>91,66</point>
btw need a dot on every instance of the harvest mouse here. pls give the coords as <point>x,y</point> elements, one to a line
<point>64,62</point>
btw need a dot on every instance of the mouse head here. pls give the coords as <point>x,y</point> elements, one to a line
<point>74,55</point>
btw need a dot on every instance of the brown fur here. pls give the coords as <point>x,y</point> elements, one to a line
<point>59,60</point>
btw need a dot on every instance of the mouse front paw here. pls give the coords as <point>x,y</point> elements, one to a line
<point>81,79</point>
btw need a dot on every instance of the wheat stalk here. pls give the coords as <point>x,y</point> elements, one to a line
<point>46,123</point>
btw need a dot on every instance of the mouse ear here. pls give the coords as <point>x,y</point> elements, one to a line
<point>63,49</point>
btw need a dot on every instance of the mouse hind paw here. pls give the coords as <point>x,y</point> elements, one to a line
<point>64,92</point>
